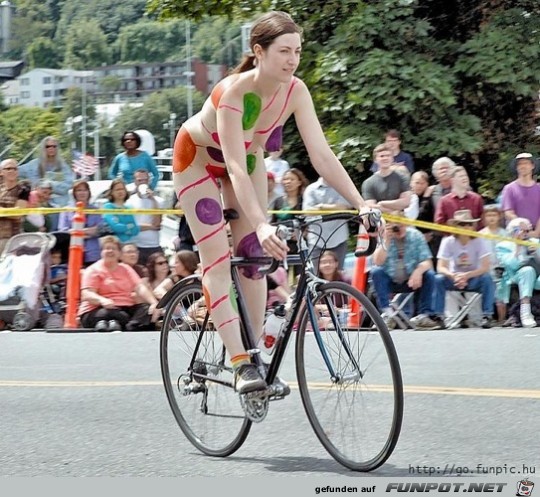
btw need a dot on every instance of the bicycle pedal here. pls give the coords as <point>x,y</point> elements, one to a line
<point>255,405</point>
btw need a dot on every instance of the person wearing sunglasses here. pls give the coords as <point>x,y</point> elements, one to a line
<point>521,266</point>
<point>132,159</point>
<point>52,167</point>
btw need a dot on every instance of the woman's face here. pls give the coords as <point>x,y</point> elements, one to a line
<point>291,183</point>
<point>179,268</point>
<point>418,185</point>
<point>130,255</point>
<point>51,148</point>
<point>281,58</point>
<point>110,252</point>
<point>327,265</point>
<point>161,266</point>
<point>129,142</point>
<point>119,193</point>
<point>81,194</point>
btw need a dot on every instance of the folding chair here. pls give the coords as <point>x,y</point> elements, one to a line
<point>460,304</point>
<point>398,305</point>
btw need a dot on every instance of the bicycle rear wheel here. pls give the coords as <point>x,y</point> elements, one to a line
<point>197,376</point>
<point>349,378</point>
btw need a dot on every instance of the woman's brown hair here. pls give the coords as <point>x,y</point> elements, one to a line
<point>115,182</point>
<point>263,32</point>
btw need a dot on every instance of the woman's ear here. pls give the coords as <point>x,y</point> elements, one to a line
<point>257,51</point>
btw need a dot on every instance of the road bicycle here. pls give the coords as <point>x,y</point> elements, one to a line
<point>347,368</point>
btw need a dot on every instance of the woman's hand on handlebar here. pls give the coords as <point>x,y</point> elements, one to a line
<point>270,242</point>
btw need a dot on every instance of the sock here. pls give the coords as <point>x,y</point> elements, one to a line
<point>525,309</point>
<point>240,360</point>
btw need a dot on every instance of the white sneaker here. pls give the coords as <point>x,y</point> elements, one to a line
<point>527,320</point>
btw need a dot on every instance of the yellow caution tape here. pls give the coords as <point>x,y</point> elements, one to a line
<point>15,211</point>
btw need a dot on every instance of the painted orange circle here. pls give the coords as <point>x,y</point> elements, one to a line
<point>184,151</point>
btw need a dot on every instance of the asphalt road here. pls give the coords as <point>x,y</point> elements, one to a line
<point>93,405</point>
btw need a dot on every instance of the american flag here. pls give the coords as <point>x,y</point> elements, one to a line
<point>84,164</point>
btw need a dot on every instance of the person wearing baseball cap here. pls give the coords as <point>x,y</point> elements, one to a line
<point>521,198</point>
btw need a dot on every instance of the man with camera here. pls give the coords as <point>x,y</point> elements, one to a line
<point>403,265</point>
<point>147,240</point>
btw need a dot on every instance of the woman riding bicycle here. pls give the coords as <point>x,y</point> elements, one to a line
<point>243,117</point>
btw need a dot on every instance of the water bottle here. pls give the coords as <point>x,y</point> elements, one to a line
<point>272,329</point>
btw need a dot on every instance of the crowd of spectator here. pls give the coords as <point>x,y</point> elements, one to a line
<point>432,264</point>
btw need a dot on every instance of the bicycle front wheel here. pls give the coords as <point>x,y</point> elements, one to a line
<point>349,377</point>
<point>198,376</point>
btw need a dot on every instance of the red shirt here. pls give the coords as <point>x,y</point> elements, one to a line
<point>451,203</point>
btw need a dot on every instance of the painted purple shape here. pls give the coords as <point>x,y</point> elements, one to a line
<point>215,154</point>
<point>249,246</point>
<point>209,211</point>
<point>275,140</point>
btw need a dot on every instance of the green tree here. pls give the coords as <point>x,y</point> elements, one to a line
<point>43,52</point>
<point>218,41</point>
<point>155,112</point>
<point>25,127</point>
<point>86,46</point>
<point>152,41</point>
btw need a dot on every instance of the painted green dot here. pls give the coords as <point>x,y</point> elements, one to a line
<point>252,110</point>
<point>251,161</point>
<point>232,296</point>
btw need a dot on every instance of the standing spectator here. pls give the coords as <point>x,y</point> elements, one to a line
<point>520,264</point>
<point>50,166</point>
<point>107,294</point>
<point>126,163</point>
<point>93,222</point>
<point>124,226</point>
<point>272,194</point>
<point>294,183</point>
<point>442,170</point>
<point>332,235</point>
<point>147,240</point>
<point>386,190</point>
<point>278,167</point>
<point>403,264</point>
<point>464,264</point>
<point>459,199</point>
<point>392,139</point>
<point>12,194</point>
<point>521,198</point>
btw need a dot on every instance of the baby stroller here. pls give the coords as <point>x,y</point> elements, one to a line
<point>24,272</point>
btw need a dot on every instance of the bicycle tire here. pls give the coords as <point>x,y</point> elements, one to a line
<point>208,413</point>
<point>357,420</point>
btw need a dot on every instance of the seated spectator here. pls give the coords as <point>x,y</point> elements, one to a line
<point>404,265</point>
<point>41,197</point>
<point>158,269</point>
<point>277,287</point>
<point>147,240</point>
<point>442,170</point>
<point>132,159</point>
<point>123,226</point>
<point>107,290</point>
<point>130,256</point>
<point>12,194</point>
<point>328,268</point>
<point>58,274</point>
<point>52,167</point>
<point>186,263</point>
<point>463,264</point>
<point>521,198</point>
<point>521,266</point>
<point>386,189</point>
<point>93,222</point>
<point>492,219</point>
<point>331,235</point>
<point>460,198</point>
